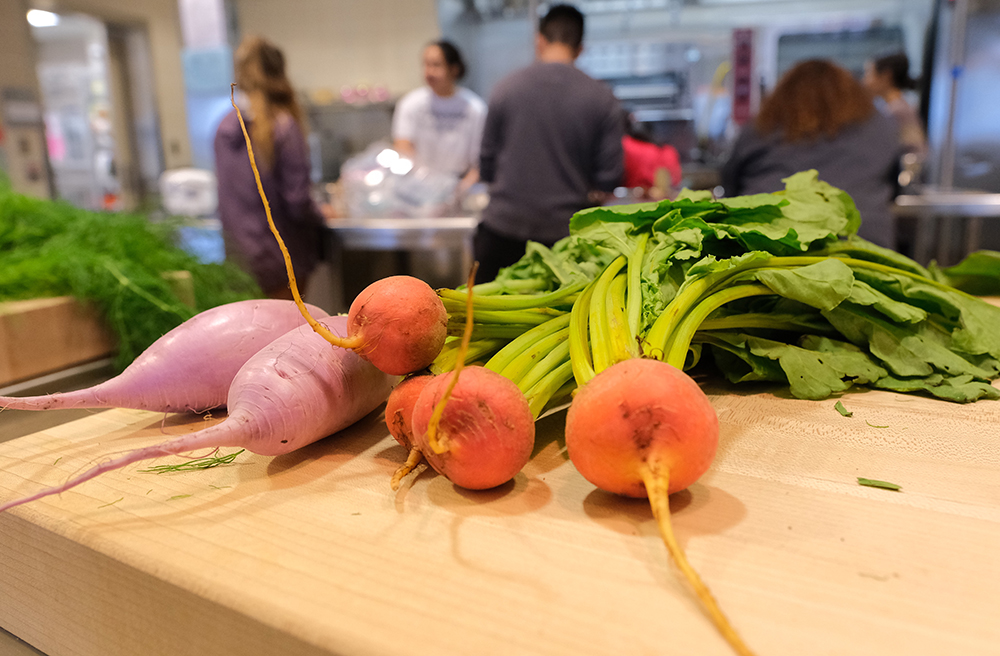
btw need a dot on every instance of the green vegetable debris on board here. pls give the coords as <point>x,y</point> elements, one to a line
<point>770,287</point>
<point>885,485</point>
<point>114,261</point>
<point>839,407</point>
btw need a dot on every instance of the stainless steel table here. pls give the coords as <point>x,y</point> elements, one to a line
<point>434,234</point>
<point>941,209</point>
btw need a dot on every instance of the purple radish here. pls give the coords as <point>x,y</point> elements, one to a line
<point>296,390</point>
<point>190,368</point>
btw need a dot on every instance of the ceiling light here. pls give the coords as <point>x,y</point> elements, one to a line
<point>41,18</point>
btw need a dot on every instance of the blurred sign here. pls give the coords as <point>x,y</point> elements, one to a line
<point>742,75</point>
<point>20,107</point>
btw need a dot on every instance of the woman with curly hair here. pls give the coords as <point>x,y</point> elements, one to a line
<point>820,117</point>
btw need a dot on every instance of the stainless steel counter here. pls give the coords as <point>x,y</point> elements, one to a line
<point>422,238</point>
<point>403,234</point>
<point>957,203</point>
<point>939,215</point>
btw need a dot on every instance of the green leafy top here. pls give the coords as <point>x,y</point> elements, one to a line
<point>776,287</point>
<point>114,261</point>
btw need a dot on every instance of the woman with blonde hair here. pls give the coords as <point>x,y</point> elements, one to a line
<point>820,117</point>
<point>277,131</point>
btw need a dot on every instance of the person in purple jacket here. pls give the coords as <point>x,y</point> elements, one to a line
<point>277,131</point>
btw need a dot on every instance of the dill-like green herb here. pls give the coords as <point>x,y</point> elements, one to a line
<point>179,496</point>
<point>111,504</point>
<point>114,262</point>
<point>199,463</point>
<point>875,425</point>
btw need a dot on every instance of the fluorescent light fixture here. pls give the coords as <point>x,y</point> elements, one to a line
<point>374,178</point>
<point>401,166</point>
<point>40,18</point>
<point>387,157</point>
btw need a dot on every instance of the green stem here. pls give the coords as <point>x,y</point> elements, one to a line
<point>769,321</point>
<point>621,340</point>
<point>535,316</point>
<point>525,341</point>
<point>448,357</point>
<point>559,397</point>
<point>543,391</point>
<point>513,301</point>
<point>634,296</point>
<point>579,352</point>
<point>680,341</point>
<point>552,360</point>
<point>522,286</point>
<point>600,329</point>
<point>535,355</point>
<point>492,330</point>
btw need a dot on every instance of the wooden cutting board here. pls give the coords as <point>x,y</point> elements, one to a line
<point>312,553</point>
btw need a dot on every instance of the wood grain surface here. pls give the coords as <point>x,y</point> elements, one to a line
<point>312,553</point>
<point>42,335</point>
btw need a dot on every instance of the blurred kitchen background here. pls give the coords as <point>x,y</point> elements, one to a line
<point>101,102</point>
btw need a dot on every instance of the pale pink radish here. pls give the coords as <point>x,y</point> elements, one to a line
<point>643,428</point>
<point>188,369</point>
<point>296,390</point>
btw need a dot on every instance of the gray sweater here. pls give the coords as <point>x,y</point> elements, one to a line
<point>862,160</point>
<point>552,135</point>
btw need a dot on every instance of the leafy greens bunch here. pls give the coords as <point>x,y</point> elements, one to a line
<point>775,287</point>
<point>116,262</point>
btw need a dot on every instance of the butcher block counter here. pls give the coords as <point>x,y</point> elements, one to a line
<point>313,554</point>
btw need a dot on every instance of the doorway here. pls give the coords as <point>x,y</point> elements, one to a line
<point>101,126</point>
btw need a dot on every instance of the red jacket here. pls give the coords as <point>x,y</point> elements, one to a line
<point>642,159</point>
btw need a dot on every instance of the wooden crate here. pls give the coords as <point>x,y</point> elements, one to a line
<point>43,335</point>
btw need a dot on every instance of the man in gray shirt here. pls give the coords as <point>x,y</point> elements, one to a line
<point>553,136</point>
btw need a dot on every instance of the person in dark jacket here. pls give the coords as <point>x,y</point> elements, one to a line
<point>888,78</point>
<point>553,136</point>
<point>275,122</point>
<point>820,117</point>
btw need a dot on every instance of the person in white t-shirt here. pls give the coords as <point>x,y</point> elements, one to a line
<point>441,125</point>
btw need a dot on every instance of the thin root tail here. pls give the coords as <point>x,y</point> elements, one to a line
<point>657,487</point>
<point>411,463</point>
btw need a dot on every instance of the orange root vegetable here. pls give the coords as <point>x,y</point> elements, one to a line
<point>643,428</point>
<point>399,420</point>
<point>473,425</point>
<point>485,433</point>
<point>398,324</point>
